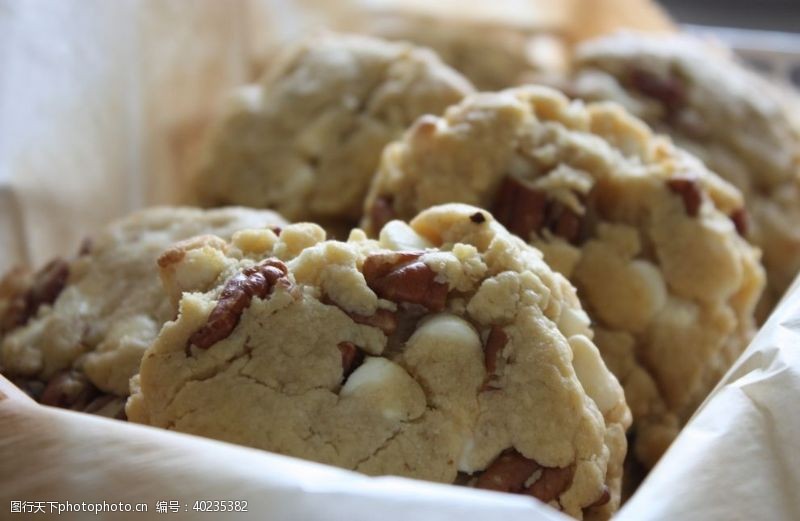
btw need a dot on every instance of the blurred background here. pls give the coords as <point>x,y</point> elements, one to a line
<point>774,15</point>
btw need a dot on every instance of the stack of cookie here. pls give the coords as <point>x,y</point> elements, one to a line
<point>500,289</point>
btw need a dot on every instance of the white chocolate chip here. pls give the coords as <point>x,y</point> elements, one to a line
<point>445,329</point>
<point>574,321</point>
<point>397,235</point>
<point>388,387</point>
<point>595,378</point>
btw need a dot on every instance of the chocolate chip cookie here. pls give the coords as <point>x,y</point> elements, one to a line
<point>737,122</point>
<point>73,333</point>
<point>306,139</point>
<point>649,236</point>
<point>447,350</point>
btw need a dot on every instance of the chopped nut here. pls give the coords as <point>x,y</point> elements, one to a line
<point>524,210</point>
<point>511,470</point>
<point>44,288</point>
<point>604,498</point>
<point>689,190</point>
<point>403,277</point>
<point>381,212</point>
<point>552,483</point>
<point>740,221</point>
<point>68,390</point>
<point>495,343</point>
<point>508,473</point>
<point>383,319</point>
<point>520,208</point>
<point>670,91</point>
<point>352,357</point>
<point>256,281</point>
<point>178,251</point>
<point>567,225</point>
<point>48,284</point>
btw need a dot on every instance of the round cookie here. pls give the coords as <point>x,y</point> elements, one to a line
<point>645,232</point>
<point>445,351</point>
<point>306,140</point>
<point>77,328</point>
<point>737,122</point>
<point>504,55</point>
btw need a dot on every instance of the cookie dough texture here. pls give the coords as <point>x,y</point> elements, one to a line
<point>448,346</point>
<point>306,139</point>
<point>737,122</point>
<point>91,317</point>
<point>642,229</point>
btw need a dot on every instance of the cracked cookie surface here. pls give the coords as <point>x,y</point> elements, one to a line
<point>446,350</point>
<point>645,232</point>
<point>73,333</point>
<point>737,122</point>
<point>306,140</point>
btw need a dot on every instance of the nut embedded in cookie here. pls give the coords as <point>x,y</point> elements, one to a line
<point>428,363</point>
<point>649,236</point>
<point>306,139</point>
<point>737,122</point>
<point>90,318</point>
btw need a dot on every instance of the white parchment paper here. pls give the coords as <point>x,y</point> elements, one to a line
<point>103,107</point>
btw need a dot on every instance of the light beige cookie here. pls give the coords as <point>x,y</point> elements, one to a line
<point>78,327</point>
<point>738,123</point>
<point>645,232</point>
<point>307,138</point>
<point>446,351</point>
<point>503,55</point>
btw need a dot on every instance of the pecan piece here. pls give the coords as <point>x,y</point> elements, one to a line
<point>565,223</point>
<point>383,319</point>
<point>520,208</point>
<point>670,90</point>
<point>604,498</point>
<point>495,343</point>
<point>68,390</point>
<point>403,277</point>
<point>508,473</point>
<point>689,190</point>
<point>48,284</point>
<point>45,287</point>
<point>381,212</point>
<point>740,221</point>
<point>524,210</point>
<point>511,470</point>
<point>352,357</point>
<point>552,483</point>
<point>255,281</point>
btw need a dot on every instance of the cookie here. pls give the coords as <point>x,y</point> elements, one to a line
<point>445,351</point>
<point>73,333</point>
<point>646,233</point>
<point>737,122</point>
<point>504,55</point>
<point>306,140</point>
